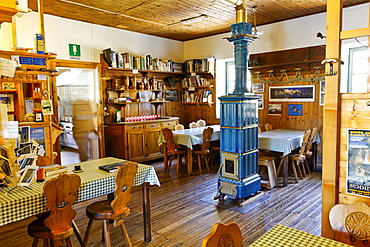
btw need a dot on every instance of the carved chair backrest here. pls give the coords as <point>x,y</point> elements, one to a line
<point>60,193</point>
<point>351,223</point>
<point>268,127</point>
<point>306,136</point>
<point>313,134</point>
<point>124,178</point>
<point>179,127</point>
<point>201,123</point>
<point>207,135</point>
<point>228,235</point>
<point>168,136</point>
<point>193,125</point>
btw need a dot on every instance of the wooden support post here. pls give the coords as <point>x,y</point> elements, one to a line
<point>40,5</point>
<point>331,123</point>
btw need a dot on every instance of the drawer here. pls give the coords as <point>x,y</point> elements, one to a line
<point>114,130</point>
<point>152,125</point>
<point>134,127</point>
<point>169,124</point>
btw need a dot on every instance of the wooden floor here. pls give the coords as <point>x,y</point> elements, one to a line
<point>181,218</point>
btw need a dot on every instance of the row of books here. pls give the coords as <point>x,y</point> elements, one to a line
<point>194,81</point>
<point>199,65</point>
<point>145,62</point>
<point>199,97</point>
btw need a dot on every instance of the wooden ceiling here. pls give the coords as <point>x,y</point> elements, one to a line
<point>163,17</point>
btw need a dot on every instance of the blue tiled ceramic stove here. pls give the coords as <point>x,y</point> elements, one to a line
<point>239,177</point>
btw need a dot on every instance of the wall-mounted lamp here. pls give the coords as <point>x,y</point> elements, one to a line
<point>194,19</point>
<point>319,35</point>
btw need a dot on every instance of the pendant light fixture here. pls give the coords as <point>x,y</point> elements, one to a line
<point>255,33</point>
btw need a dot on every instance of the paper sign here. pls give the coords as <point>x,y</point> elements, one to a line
<point>42,77</point>
<point>10,129</point>
<point>7,67</point>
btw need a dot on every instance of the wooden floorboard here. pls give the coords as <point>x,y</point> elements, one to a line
<point>181,218</point>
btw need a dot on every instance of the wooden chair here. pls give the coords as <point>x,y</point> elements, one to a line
<point>173,151</point>
<point>310,143</point>
<point>193,125</point>
<point>351,223</point>
<point>228,235</point>
<point>203,153</point>
<point>268,127</point>
<point>56,226</point>
<point>117,209</point>
<point>269,163</point>
<point>214,151</point>
<point>179,127</point>
<point>259,129</point>
<point>201,123</point>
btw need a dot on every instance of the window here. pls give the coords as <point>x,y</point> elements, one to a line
<point>358,69</point>
<point>230,77</point>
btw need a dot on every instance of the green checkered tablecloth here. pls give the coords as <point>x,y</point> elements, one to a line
<point>282,140</point>
<point>191,137</point>
<point>24,202</point>
<point>283,236</point>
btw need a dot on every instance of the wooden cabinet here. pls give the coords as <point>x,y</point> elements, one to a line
<point>136,141</point>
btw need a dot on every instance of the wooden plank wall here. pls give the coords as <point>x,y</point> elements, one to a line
<point>307,59</point>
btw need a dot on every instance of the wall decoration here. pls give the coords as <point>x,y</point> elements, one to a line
<point>305,93</point>
<point>171,95</point>
<point>358,167</point>
<point>322,92</point>
<point>47,108</point>
<point>7,99</point>
<point>260,101</point>
<point>295,110</point>
<point>275,109</point>
<point>258,88</point>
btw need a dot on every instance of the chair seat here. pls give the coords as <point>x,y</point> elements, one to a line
<point>201,152</point>
<point>103,210</point>
<point>37,229</point>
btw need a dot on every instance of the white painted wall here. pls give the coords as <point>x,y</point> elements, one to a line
<point>59,32</point>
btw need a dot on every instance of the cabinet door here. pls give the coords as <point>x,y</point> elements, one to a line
<point>136,145</point>
<point>152,147</point>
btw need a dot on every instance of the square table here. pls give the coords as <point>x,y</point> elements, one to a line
<point>284,141</point>
<point>281,235</point>
<point>189,138</point>
<point>22,203</point>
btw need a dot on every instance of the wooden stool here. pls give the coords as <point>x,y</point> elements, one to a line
<point>269,162</point>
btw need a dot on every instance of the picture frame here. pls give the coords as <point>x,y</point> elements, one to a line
<point>142,97</point>
<point>27,175</point>
<point>258,88</point>
<point>47,107</point>
<point>39,117</point>
<point>295,110</point>
<point>322,86</point>
<point>5,167</point>
<point>171,95</point>
<point>8,99</point>
<point>260,104</point>
<point>27,160</point>
<point>301,93</point>
<point>322,96</point>
<point>275,109</point>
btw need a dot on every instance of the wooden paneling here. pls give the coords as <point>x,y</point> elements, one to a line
<point>304,58</point>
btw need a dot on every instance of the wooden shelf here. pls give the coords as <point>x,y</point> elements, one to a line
<point>145,102</point>
<point>199,87</point>
<point>5,91</point>
<point>25,54</point>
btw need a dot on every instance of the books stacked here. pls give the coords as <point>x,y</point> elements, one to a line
<point>145,62</point>
<point>194,81</point>
<point>199,65</point>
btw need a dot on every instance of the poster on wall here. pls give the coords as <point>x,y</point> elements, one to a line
<point>358,168</point>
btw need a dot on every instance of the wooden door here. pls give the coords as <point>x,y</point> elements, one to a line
<point>136,144</point>
<point>152,147</point>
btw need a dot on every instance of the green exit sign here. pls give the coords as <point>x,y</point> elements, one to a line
<point>74,50</point>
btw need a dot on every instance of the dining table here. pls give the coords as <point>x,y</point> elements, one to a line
<point>23,202</point>
<point>189,138</point>
<point>283,141</point>
<point>283,236</point>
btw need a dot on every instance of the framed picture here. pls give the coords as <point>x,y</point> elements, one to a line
<point>27,160</point>
<point>47,107</point>
<point>39,117</point>
<point>322,96</point>
<point>28,175</point>
<point>322,86</point>
<point>295,110</point>
<point>258,88</point>
<point>275,109</point>
<point>171,95</point>
<point>143,97</point>
<point>260,101</point>
<point>7,99</point>
<point>302,93</point>
<point>5,167</point>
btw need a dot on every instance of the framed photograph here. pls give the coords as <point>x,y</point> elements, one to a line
<point>275,109</point>
<point>322,96</point>
<point>260,101</point>
<point>304,93</point>
<point>295,110</point>
<point>24,134</point>
<point>8,99</point>
<point>24,148</point>
<point>5,167</point>
<point>47,107</point>
<point>28,175</point>
<point>258,88</point>
<point>39,117</point>
<point>322,86</point>
<point>143,97</point>
<point>171,95</point>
